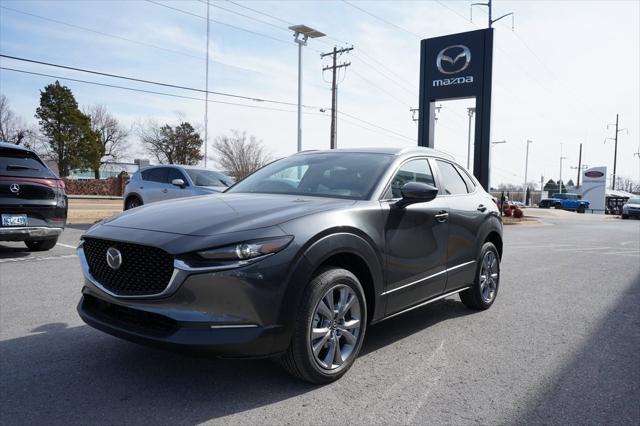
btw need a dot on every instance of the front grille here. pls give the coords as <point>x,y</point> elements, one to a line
<point>144,270</point>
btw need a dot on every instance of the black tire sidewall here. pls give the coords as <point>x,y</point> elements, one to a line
<point>127,204</point>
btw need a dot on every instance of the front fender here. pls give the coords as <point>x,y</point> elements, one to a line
<point>316,252</point>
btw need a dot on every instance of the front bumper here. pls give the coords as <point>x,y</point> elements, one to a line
<point>230,313</point>
<point>28,233</point>
<point>631,212</point>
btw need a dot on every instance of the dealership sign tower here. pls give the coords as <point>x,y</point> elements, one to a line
<point>458,66</point>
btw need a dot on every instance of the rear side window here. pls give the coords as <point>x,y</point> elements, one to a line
<point>411,171</point>
<point>23,164</point>
<point>471,186</point>
<point>452,182</point>
<point>158,174</point>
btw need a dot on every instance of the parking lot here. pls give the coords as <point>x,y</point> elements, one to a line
<point>560,345</point>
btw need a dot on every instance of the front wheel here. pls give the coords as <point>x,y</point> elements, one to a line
<point>328,328</point>
<point>485,288</point>
<point>41,245</point>
<point>132,202</point>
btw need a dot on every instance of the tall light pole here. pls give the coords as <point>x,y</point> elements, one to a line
<point>206,94</point>
<point>560,181</point>
<point>470,111</point>
<point>526,169</point>
<point>301,34</point>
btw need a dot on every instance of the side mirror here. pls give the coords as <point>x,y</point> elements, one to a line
<point>178,182</point>
<point>416,192</point>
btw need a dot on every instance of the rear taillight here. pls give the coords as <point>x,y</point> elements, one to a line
<point>51,183</point>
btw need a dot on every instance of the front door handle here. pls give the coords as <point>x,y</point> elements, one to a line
<point>165,190</point>
<point>482,208</point>
<point>442,216</point>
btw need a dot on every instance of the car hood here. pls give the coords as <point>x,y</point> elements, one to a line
<point>222,213</point>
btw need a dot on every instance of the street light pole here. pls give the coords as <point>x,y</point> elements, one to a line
<point>526,169</point>
<point>301,34</point>
<point>491,160</point>
<point>470,111</point>
<point>560,181</point>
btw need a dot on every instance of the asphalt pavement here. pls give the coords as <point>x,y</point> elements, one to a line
<point>561,345</point>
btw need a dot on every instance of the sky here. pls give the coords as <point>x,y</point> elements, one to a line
<point>559,78</point>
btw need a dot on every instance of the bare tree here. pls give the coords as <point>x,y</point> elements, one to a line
<point>238,155</point>
<point>112,135</point>
<point>13,129</point>
<point>171,145</point>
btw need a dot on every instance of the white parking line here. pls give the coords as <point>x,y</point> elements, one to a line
<point>66,245</point>
<point>27,259</point>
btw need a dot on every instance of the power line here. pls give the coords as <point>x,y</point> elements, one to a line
<point>129,40</point>
<point>391,95</point>
<point>398,27</point>
<point>287,23</point>
<point>376,126</point>
<point>139,80</point>
<point>133,89</point>
<point>186,12</point>
<point>391,79</point>
<point>247,16</point>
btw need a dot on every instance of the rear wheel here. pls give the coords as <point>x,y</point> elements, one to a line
<point>41,245</point>
<point>485,288</point>
<point>132,202</point>
<point>624,216</point>
<point>557,206</point>
<point>329,328</point>
<point>581,209</point>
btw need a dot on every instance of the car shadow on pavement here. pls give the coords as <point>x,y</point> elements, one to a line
<point>79,375</point>
<point>601,382</point>
<point>9,252</point>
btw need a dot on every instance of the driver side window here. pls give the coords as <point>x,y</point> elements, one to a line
<point>411,171</point>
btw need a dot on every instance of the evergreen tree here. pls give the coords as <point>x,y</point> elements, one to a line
<point>71,142</point>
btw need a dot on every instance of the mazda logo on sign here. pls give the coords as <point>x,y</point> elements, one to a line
<point>453,59</point>
<point>15,188</point>
<point>593,174</point>
<point>114,258</point>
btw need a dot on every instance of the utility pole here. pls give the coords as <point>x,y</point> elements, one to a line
<point>541,187</point>
<point>579,165</point>
<point>470,111</point>
<point>206,95</point>
<point>526,169</point>
<point>334,88</point>
<point>615,151</point>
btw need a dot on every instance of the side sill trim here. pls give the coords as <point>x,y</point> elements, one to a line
<point>234,326</point>
<point>435,299</point>
<point>453,268</point>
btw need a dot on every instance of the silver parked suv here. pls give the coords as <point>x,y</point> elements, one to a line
<point>160,183</point>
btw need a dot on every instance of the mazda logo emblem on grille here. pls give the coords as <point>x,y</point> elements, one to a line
<point>457,63</point>
<point>114,258</point>
<point>15,188</point>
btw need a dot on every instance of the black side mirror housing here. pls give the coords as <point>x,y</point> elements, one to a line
<point>416,192</point>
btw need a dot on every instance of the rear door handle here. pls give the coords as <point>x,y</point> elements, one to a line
<point>442,216</point>
<point>165,190</point>
<point>482,208</point>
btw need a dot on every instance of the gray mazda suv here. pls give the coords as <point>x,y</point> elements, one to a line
<point>297,260</point>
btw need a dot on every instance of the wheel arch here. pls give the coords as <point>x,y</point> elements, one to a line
<point>342,248</point>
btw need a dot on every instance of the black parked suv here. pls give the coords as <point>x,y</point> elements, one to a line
<point>33,203</point>
<point>296,260</point>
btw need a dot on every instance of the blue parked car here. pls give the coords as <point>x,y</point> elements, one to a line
<point>573,202</point>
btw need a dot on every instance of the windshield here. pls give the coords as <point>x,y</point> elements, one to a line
<point>635,200</point>
<point>342,175</point>
<point>208,178</point>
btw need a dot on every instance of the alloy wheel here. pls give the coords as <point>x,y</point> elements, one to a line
<point>489,276</point>
<point>336,325</point>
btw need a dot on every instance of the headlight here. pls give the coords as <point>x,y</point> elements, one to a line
<point>247,250</point>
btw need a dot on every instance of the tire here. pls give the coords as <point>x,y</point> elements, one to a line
<point>483,293</point>
<point>557,206</point>
<point>581,209</point>
<point>41,245</point>
<point>624,216</point>
<point>300,359</point>
<point>132,202</point>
